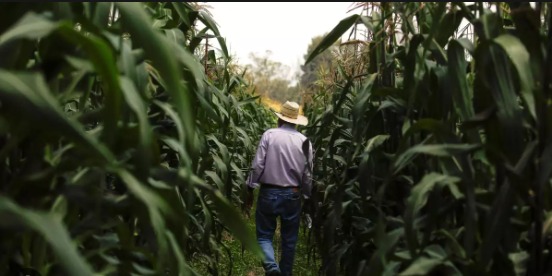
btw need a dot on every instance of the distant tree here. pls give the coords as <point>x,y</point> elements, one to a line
<point>293,93</point>
<point>270,78</point>
<point>322,62</point>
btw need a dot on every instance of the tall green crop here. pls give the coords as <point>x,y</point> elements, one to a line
<point>120,152</point>
<point>432,163</point>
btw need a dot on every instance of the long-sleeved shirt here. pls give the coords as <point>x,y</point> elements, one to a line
<point>280,160</point>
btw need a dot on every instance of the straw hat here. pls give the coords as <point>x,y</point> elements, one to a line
<point>289,112</point>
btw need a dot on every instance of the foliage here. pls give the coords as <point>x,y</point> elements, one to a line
<point>244,263</point>
<point>125,139</point>
<point>121,153</point>
<point>270,79</point>
<point>320,66</point>
<point>427,163</point>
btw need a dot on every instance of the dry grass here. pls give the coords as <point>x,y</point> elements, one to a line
<point>275,104</point>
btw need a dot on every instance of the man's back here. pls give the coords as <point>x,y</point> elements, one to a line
<point>280,159</point>
<point>285,161</point>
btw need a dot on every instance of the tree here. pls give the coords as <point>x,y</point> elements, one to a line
<point>269,79</point>
<point>322,62</point>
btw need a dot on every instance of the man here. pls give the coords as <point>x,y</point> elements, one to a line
<point>281,170</point>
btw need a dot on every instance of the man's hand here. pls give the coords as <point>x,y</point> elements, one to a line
<point>308,211</point>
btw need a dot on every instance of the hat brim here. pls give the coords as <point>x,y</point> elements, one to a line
<point>301,120</point>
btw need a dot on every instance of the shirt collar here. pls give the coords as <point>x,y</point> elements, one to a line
<point>288,126</point>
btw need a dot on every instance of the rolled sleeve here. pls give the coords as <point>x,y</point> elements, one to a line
<point>258,165</point>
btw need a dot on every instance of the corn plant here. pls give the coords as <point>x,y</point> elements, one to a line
<point>431,161</point>
<point>121,152</point>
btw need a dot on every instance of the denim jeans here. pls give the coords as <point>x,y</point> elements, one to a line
<point>286,204</point>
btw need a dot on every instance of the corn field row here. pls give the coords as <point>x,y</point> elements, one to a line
<point>117,139</point>
<point>430,162</point>
<point>124,145</point>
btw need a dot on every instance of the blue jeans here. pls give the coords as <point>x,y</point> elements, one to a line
<point>285,203</point>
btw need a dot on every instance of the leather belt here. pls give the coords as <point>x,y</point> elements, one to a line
<point>267,185</point>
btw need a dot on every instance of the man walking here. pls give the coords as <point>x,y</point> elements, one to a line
<point>282,170</point>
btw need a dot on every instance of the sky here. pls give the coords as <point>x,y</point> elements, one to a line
<point>284,28</point>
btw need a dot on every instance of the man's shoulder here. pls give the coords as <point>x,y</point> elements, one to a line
<point>303,137</point>
<point>269,131</point>
<point>280,130</point>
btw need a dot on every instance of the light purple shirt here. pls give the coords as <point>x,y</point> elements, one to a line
<point>280,160</point>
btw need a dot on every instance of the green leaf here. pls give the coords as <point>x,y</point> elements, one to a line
<point>375,142</point>
<point>519,56</point>
<point>519,260</point>
<point>385,243</point>
<point>500,212</point>
<point>418,199</point>
<point>154,204</point>
<point>461,91</point>
<point>157,49</point>
<point>36,106</point>
<point>439,150</point>
<point>210,23</point>
<point>102,56</point>
<point>333,36</point>
<point>433,256</point>
<point>216,179</point>
<point>453,244</point>
<point>448,25</point>
<point>422,266</point>
<point>176,36</point>
<point>49,226</point>
<point>137,105</point>
<point>232,219</point>
<point>177,146</point>
<point>363,99</point>
<point>182,9</point>
<point>30,26</point>
<point>183,267</point>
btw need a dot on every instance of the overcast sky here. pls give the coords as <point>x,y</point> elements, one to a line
<point>284,28</point>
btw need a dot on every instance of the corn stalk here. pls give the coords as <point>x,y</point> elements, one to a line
<point>433,163</point>
<point>118,153</point>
